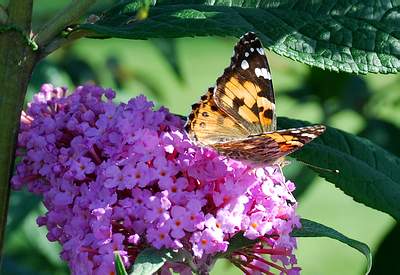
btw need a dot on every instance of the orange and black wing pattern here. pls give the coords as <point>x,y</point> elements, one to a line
<point>208,124</point>
<point>237,116</point>
<point>245,91</point>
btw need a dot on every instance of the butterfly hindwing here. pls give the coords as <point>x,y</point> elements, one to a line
<point>268,147</point>
<point>207,124</point>
<point>245,91</point>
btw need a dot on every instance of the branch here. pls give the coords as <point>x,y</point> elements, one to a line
<point>73,12</point>
<point>61,42</point>
<point>16,63</point>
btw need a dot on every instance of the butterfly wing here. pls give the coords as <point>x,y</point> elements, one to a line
<point>267,148</point>
<point>207,124</point>
<point>237,117</point>
<point>245,91</point>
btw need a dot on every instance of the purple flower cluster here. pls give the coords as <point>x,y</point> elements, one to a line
<point>125,177</point>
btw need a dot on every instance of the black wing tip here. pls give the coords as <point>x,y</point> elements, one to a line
<point>319,128</point>
<point>246,41</point>
<point>249,36</point>
<point>316,129</point>
<point>311,131</point>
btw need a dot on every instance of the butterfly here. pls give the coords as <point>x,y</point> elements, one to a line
<point>237,117</point>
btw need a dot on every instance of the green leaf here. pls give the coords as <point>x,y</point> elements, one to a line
<point>150,260</point>
<point>367,172</point>
<point>119,265</point>
<point>342,35</point>
<point>314,229</point>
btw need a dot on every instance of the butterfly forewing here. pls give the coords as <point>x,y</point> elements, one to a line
<point>207,124</point>
<point>245,91</point>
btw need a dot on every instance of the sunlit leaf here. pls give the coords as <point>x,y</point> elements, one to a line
<point>341,35</point>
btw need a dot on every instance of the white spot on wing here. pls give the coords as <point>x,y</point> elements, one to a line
<point>308,135</point>
<point>251,49</point>
<point>245,65</point>
<point>246,54</point>
<point>265,73</point>
<point>262,72</point>
<point>257,71</point>
<point>260,51</point>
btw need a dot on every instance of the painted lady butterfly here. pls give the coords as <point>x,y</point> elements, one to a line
<point>237,116</point>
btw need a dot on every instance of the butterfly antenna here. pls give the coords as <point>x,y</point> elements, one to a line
<point>283,182</point>
<point>335,171</point>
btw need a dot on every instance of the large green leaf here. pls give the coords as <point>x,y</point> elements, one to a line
<point>342,35</point>
<point>367,172</point>
<point>314,229</point>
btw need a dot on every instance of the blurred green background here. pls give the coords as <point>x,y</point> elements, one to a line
<point>175,73</point>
